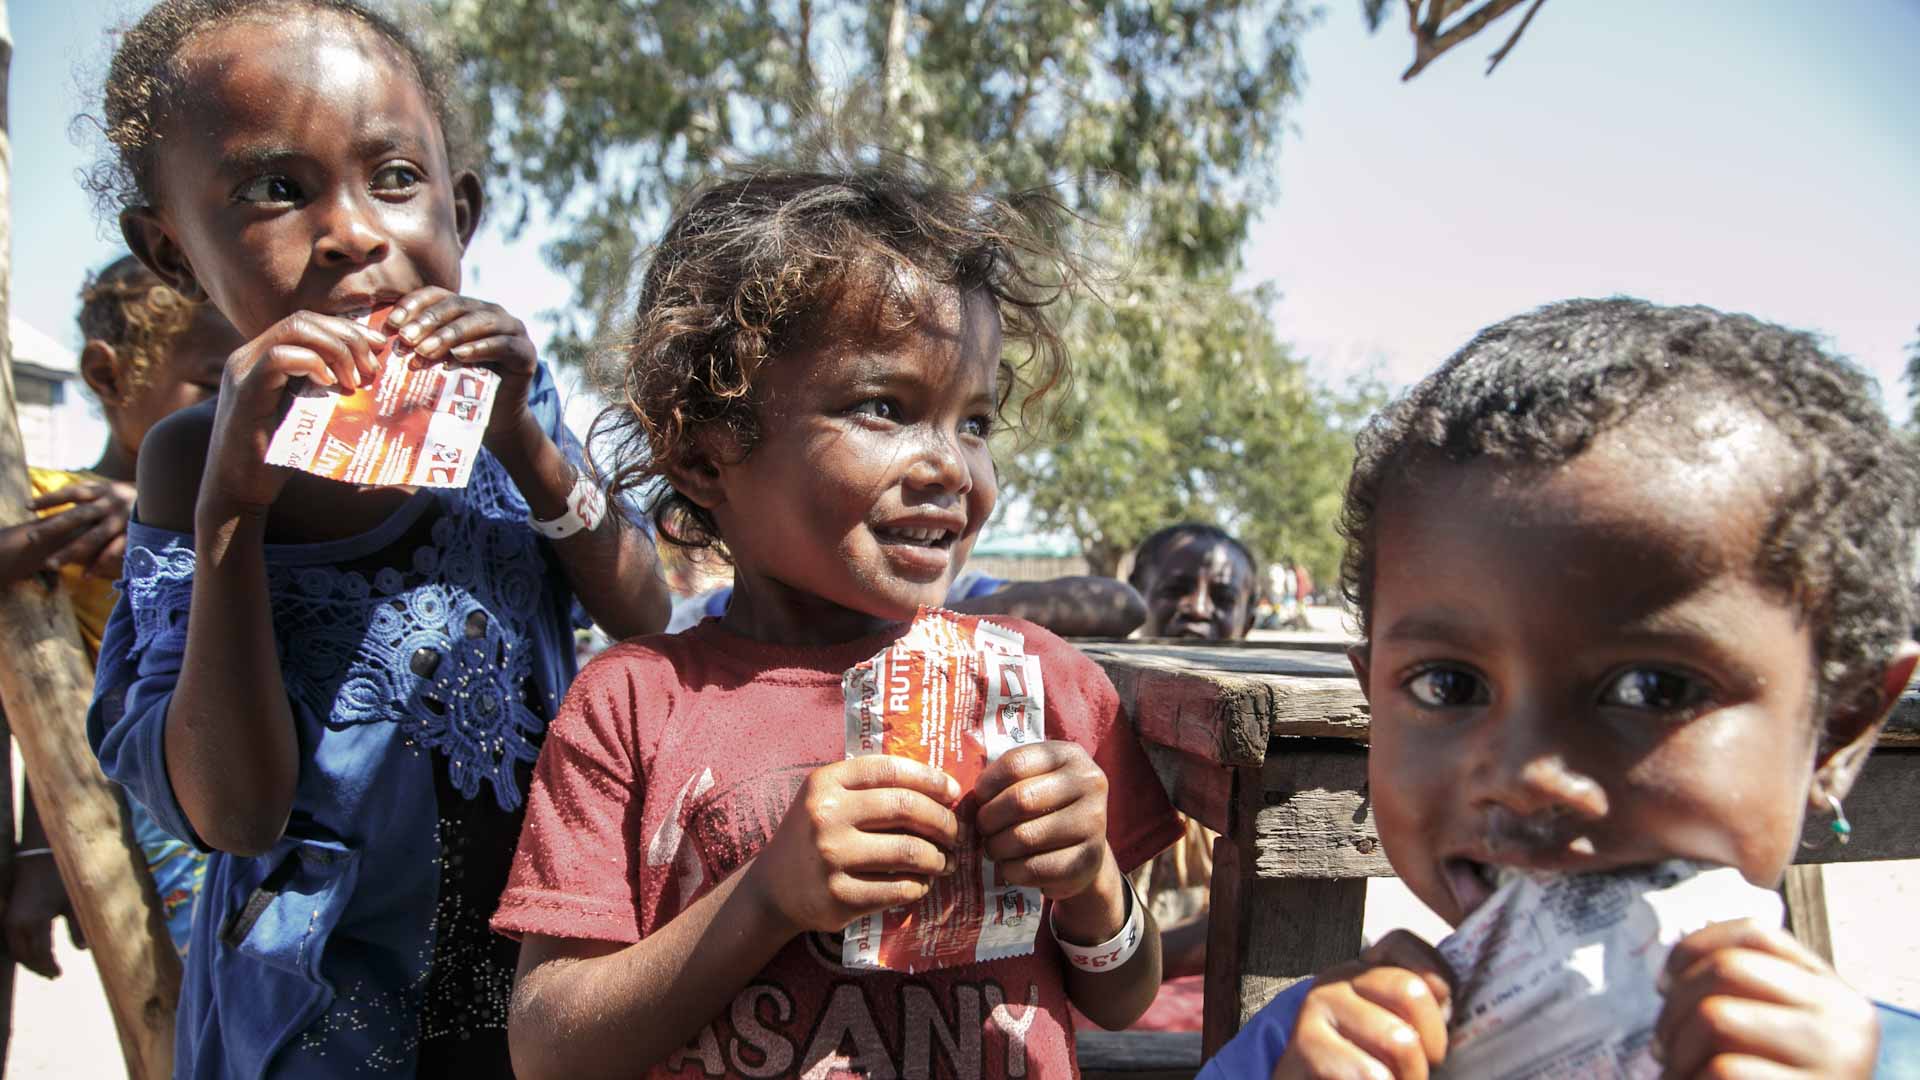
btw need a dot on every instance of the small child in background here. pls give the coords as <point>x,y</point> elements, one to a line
<point>148,353</point>
<point>816,370</point>
<point>1632,584</point>
<point>338,689</point>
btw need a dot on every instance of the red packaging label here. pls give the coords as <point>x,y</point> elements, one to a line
<point>416,425</point>
<point>955,692</point>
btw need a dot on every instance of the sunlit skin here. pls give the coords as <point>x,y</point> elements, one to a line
<point>1572,668</point>
<point>865,436</point>
<point>1199,587</point>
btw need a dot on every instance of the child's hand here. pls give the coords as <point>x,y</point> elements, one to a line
<point>1043,817</point>
<point>1383,1015</point>
<point>1744,999</point>
<point>95,525</point>
<point>444,327</point>
<point>36,898</point>
<point>863,835</point>
<point>328,350</point>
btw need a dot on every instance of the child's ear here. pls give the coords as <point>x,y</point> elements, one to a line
<point>695,475</point>
<point>1851,730</point>
<point>97,368</point>
<point>1360,655</point>
<point>469,199</point>
<point>147,237</point>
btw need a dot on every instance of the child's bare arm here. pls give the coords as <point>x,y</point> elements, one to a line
<point>613,568</point>
<point>231,752</point>
<point>1043,819</point>
<point>862,835</point>
<point>1068,606</point>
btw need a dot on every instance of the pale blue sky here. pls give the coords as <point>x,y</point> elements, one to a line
<point>1759,155</point>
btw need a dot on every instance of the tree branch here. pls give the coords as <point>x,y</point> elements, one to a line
<point>1427,48</point>
<point>1494,60</point>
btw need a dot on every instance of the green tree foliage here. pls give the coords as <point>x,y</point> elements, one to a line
<point>1156,118</point>
<point>1913,380</point>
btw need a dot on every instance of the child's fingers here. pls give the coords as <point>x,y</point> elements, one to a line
<point>1043,869</point>
<point>1410,952</point>
<point>1036,759</point>
<point>1409,997</point>
<point>1742,934</point>
<point>1736,973</point>
<point>510,351</point>
<point>1340,1033</point>
<point>1033,797</point>
<point>422,311</point>
<point>889,770</point>
<point>83,549</point>
<point>894,809</point>
<point>885,853</point>
<point>1745,1067</point>
<point>865,893</point>
<point>1742,1027</point>
<point>475,324</point>
<point>1076,824</point>
<point>80,493</point>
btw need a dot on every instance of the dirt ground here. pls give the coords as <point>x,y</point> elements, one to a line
<point>61,1028</point>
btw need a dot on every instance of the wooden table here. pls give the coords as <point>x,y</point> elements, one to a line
<point>1266,744</point>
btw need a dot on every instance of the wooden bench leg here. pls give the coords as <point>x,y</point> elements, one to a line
<point>1805,893</point>
<point>1266,934</point>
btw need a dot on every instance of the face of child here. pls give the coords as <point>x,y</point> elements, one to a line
<point>187,375</point>
<point>1572,669</point>
<point>872,476</point>
<point>303,169</point>
<point>1199,587</point>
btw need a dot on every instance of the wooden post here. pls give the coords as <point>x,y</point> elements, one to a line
<point>46,683</point>
<point>7,965</point>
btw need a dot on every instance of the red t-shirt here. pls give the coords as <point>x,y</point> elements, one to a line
<point>671,763</point>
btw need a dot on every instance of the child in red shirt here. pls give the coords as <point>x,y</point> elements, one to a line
<point>813,377</point>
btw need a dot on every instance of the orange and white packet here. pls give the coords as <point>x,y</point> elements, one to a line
<point>417,425</point>
<point>955,692</point>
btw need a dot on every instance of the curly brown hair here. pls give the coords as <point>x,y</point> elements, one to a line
<point>129,308</point>
<point>752,260</point>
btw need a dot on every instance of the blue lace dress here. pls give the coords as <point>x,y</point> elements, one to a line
<point>423,661</point>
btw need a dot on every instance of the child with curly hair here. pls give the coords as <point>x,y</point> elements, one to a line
<point>1633,584</point>
<point>148,353</point>
<point>337,689</point>
<point>817,369</point>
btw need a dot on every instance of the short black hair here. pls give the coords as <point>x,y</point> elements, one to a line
<point>145,75</point>
<point>1151,548</point>
<point>1541,387</point>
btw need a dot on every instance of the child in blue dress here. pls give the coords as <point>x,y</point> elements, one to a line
<point>340,691</point>
<point>1633,586</point>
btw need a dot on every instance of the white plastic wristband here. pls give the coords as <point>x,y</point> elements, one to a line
<point>1112,952</point>
<point>586,507</point>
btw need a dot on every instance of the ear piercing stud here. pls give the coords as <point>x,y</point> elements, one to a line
<point>1842,828</point>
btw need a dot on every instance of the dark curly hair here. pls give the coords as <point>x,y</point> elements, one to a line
<point>1541,387</point>
<point>145,77</point>
<point>129,308</point>
<point>752,261</point>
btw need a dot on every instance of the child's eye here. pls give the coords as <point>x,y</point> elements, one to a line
<point>879,409</point>
<point>268,189</point>
<point>978,426</point>
<point>396,177</point>
<point>1653,689</point>
<point>1445,687</point>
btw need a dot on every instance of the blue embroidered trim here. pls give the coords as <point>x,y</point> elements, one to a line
<point>443,648</point>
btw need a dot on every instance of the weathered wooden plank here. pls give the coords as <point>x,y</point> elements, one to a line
<point>1805,893</point>
<point>1198,788</point>
<point>1881,808</point>
<point>1138,1055</point>
<point>1903,727</point>
<point>1224,710</point>
<point>1266,934</point>
<point>1314,819</point>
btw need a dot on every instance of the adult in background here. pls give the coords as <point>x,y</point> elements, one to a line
<point>1198,582</point>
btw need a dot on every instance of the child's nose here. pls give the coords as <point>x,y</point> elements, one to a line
<point>1198,602</point>
<point>349,234</point>
<point>939,465</point>
<point>1528,769</point>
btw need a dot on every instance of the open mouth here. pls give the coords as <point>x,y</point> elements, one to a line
<point>918,537</point>
<point>1472,882</point>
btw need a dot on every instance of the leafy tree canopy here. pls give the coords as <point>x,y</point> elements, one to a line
<point>1159,118</point>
